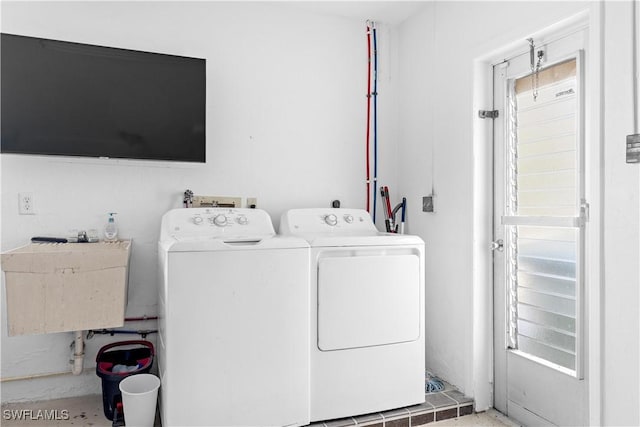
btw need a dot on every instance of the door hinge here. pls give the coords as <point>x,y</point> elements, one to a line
<point>488,114</point>
<point>497,245</point>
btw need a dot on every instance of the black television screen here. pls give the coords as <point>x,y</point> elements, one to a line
<point>72,99</point>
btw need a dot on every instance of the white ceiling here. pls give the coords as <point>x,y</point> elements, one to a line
<point>387,12</point>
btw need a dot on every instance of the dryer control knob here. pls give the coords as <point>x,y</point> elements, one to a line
<point>197,220</point>
<point>331,219</point>
<point>220,220</point>
<point>242,220</point>
<point>348,218</point>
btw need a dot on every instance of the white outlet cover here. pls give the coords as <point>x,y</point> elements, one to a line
<point>26,205</point>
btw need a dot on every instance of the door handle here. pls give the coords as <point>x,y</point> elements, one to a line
<point>497,245</point>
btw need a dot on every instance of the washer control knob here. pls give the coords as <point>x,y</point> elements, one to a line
<point>331,219</point>
<point>348,219</point>
<point>220,220</point>
<point>197,220</point>
<point>242,220</point>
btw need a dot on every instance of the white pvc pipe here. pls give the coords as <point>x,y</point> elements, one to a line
<point>78,354</point>
<point>44,375</point>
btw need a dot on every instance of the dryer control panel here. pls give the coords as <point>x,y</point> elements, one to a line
<point>216,222</point>
<point>321,220</point>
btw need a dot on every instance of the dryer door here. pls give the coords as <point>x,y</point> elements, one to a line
<point>367,300</point>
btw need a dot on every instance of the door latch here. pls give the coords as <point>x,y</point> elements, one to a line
<point>488,114</point>
<point>497,245</point>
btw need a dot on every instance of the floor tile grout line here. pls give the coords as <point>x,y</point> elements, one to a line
<point>400,416</point>
<point>408,417</point>
<point>462,401</point>
<point>451,397</point>
<point>446,408</point>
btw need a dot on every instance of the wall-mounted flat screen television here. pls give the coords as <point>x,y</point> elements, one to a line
<point>72,99</point>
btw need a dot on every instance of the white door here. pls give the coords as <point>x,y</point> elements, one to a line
<point>540,212</point>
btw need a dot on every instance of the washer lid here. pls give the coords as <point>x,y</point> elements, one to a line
<point>211,244</point>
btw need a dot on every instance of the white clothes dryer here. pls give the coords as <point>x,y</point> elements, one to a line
<point>367,313</point>
<point>233,320</point>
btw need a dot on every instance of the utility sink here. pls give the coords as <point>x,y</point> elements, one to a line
<point>61,287</point>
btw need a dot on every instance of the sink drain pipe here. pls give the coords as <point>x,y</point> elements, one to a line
<point>78,353</point>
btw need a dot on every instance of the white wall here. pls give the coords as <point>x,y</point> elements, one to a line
<point>285,123</point>
<point>437,59</point>
<point>621,367</point>
<point>437,54</point>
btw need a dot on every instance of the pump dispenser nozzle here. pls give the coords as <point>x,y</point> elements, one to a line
<point>111,229</point>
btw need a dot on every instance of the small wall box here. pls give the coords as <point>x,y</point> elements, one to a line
<point>61,287</point>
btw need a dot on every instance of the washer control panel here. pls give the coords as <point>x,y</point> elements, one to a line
<point>322,220</point>
<point>213,222</point>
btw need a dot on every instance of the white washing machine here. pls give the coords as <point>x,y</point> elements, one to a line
<point>367,313</point>
<point>233,320</point>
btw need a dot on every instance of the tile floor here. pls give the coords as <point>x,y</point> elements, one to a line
<point>448,408</point>
<point>490,418</point>
<point>87,411</point>
<point>449,403</point>
<point>80,411</point>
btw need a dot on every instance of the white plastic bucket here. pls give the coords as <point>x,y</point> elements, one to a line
<point>139,397</point>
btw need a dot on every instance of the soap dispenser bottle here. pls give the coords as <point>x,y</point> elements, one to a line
<point>111,229</point>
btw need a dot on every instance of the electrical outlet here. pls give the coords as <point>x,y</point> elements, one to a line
<point>252,202</point>
<point>25,204</point>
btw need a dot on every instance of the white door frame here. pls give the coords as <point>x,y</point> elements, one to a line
<point>483,213</point>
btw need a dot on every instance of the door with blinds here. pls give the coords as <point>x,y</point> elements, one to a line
<point>540,213</point>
